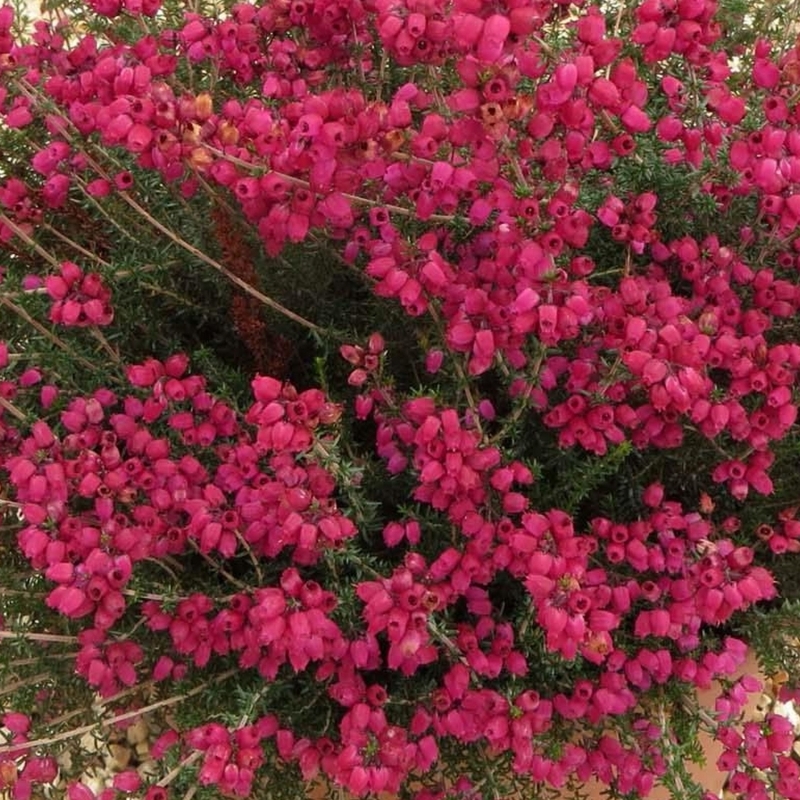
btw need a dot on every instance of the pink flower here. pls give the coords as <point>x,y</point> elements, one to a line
<point>493,37</point>
<point>99,187</point>
<point>127,781</point>
<point>16,722</point>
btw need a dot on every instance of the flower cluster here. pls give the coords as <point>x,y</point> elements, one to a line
<point>18,766</point>
<point>230,759</point>
<point>78,299</point>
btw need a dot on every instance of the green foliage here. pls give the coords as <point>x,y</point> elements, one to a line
<point>774,634</point>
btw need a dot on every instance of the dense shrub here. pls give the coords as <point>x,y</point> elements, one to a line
<point>398,394</point>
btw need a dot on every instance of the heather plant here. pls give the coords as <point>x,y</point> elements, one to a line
<point>398,396</point>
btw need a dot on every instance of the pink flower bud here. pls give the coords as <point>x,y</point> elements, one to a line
<point>68,600</point>
<point>127,781</point>
<point>467,30</point>
<point>6,18</point>
<point>635,120</point>
<point>483,345</point>
<point>30,377</point>
<point>653,495</point>
<point>142,375</point>
<point>566,77</point>
<point>493,38</point>
<point>759,480</point>
<point>604,93</point>
<point>60,572</point>
<point>139,137</point>
<point>123,181</point>
<point>363,406</point>
<point>96,312</point>
<point>434,360</point>
<point>79,791</point>
<point>56,286</point>
<point>99,187</point>
<point>19,117</point>
<point>16,722</point>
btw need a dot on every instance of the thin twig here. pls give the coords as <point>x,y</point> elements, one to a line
<point>235,279</point>
<point>12,409</point>
<point>216,197</point>
<point>120,274</point>
<point>465,383</point>
<point>102,704</point>
<point>60,343</point>
<point>50,259</point>
<point>154,288</point>
<point>222,571</point>
<point>162,562</point>
<point>523,406</point>
<point>5,591</point>
<point>104,343</point>
<point>31,681</point>
<point>99,207</point>
<point>117,718</point>
<point>363,201</point>
<point>244,543</point>
<point>154,596</point>
<point>382,67</point>
<point>673,771</point>
<point>64,238</point>
<point>199,254</point>
<point>175,771</point>
<point>27,662</point>
<point>52,638</point>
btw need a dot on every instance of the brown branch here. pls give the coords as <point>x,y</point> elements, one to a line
<point>12,409</point>
<point>364,201</point>
<point>60,343</point>
<point>199,254</point>
<point>117,718</point>
<point>74,245</point>
<point>51,638</point>
<point>52,260</point>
